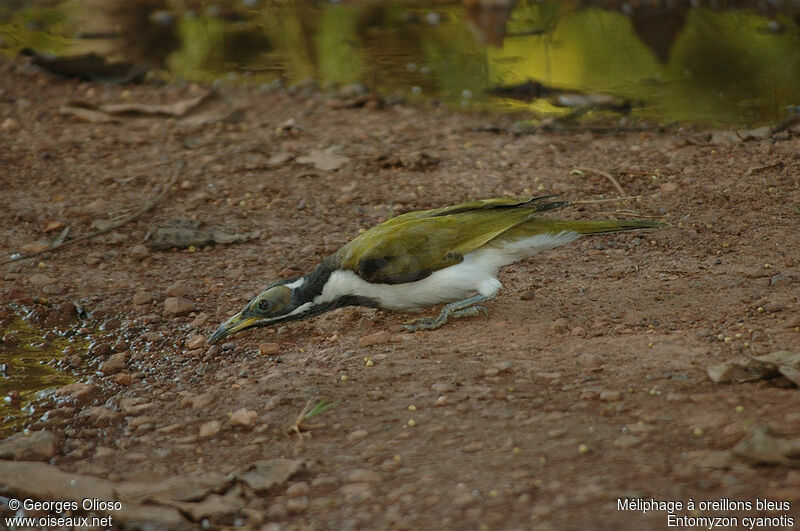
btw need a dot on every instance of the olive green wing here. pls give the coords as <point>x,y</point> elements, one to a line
<point>539,203</point>
<point>411,247</point>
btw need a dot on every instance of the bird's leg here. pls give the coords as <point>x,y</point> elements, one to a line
<point>462,308</point>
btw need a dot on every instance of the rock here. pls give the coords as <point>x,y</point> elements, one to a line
<point>40,279</point>
<point>99,416</point>
<point>266,474</point>
<point>279,159</point>
<point>42,481</point>
<point>443,387</point>
<point>53,289</point>
<point>358,435</point>
<point>774,306</point>
<point>296,489</point>
<point>199,320</point>
<point>780,280</point>
<point>142,297</point>
<point>627,441</point>
<point>176,306</point>
<point>559,326</point>
<point>297,505</point>
<point>269,349</point>
<point>80,393</point>
<point>590,361</point>
<point>140,251</point>
<point>377,338</point>
<point>326,160</point>
<point>210,429</point>
<point>196,341</point>
<point>115,363</point>
<point>123,378</point>
<point>35,247</point>
<point>356,491</point>
<point>33,446</point>
<point>243,417</point>
<point>745,371</point>
<point>177,289</point>
<point>363,475</point>
<point>101,350</point>
<point>610,396</point>
<point>197,401</point>
<point>669,187</point>
<point>10,124</point>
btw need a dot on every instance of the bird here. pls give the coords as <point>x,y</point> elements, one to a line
<point>423,258</point>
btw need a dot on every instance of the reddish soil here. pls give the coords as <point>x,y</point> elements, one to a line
<point>586,383</point>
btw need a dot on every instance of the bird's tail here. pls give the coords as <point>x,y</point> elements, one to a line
<point>592,226</point>
<point>598,226</point>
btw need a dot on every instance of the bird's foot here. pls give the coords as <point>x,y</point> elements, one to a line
<point>472,311</point>
<point>456,309</point>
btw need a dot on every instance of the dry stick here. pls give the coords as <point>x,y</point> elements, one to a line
<point>608,176</point>
<point>124,221</point>
<point>589,201</point>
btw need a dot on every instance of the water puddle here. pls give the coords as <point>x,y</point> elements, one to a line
<point>33,360</point>
<point>723,66</point>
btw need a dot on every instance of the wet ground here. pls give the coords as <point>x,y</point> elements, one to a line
<point>586,383</point>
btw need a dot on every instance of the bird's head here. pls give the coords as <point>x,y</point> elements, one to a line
<point>273,305</point>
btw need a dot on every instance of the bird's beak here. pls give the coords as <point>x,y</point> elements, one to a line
<point>231,326</point>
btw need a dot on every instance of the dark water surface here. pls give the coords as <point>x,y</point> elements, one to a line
<point>721,66</point>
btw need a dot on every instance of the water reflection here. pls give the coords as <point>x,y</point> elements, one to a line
<point>665,62</point>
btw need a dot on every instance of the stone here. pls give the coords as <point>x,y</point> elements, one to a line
<point>99,416</point>
<point>140,251</point>
<point>358,435</point>
<point>243,417</point>
<point>176,306</point>
<point>40,279</point>
<point>196,341</point>
<point>32,446</point>
<point>377,338</point>
<point>627,441</point>
<point>142,297</point>
<point>610,396</point>
<point>177,289</point>
<point>297,505</point>
<point>123,378</point>
<point>79,392</point>
<point>363,475</point>
<point>269,349</point>
<point>199,320</point>
<point>115,363</point>
<point>268,473</point>
<point>210,429</point>
<point>296,489</point>
<point>559,326</point>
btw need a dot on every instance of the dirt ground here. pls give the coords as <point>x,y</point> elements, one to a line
<point>586,383</point>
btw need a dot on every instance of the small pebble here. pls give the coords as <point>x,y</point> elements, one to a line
<point>243,417</point>
<point>142,297</point>
<point>176,306</point>
<point>210,429</point>
<point>194,342</point>
<point>559,326</point>
<point>378,338</point>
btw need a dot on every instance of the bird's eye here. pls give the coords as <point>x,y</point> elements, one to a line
<point>263,305</point>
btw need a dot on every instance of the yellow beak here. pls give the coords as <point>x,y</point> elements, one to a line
<point>233,325</point>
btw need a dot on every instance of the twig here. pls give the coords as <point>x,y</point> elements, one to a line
<point>124,221</point>
<point>608,176</point>
<point>588,201</point>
